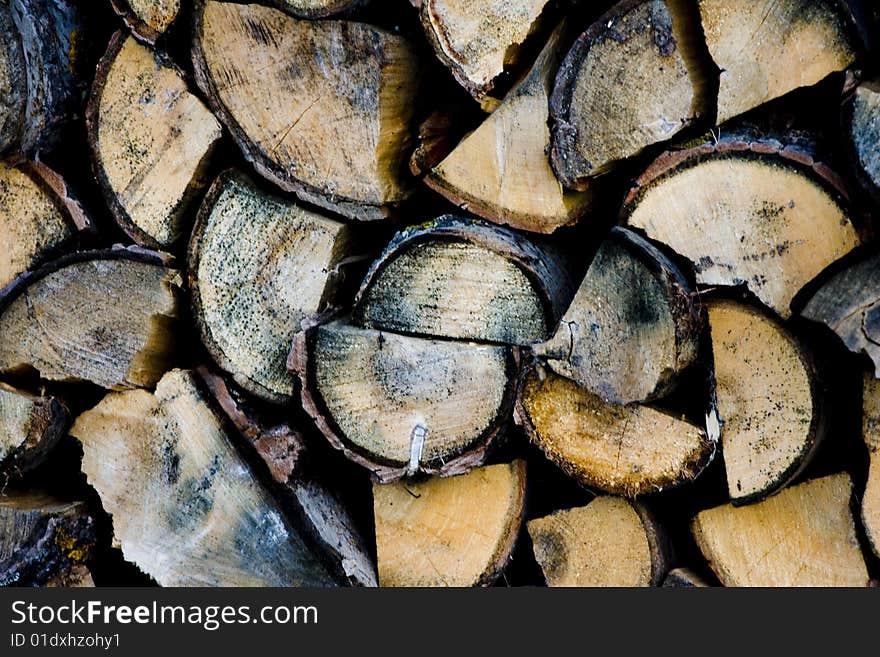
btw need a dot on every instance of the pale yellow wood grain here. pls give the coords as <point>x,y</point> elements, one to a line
<point>743,220</point>
<point>765,398</point>
<point>804,536</point>
<point>766,49</point>
<point>457,531</point>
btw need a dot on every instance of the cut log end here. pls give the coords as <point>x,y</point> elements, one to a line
<point>634,78</point>
<point>151,140</point>
<point>804,536</point>
<point>103,316</point>
<point>186,508</point>
<point>501,172</point>
<point>847,304</point>
<point>455,279</point>
<point>37,218</point>
<point>795,44</point>
<point>634,324</point>
<point>340,142</point>
<point>399,404</point>
<point>259,266</point>
<point>147,19</point>
<point>609,542</point>
<point>769,407</point>
<point>626,450</point>
<point>458,531</point>
<point>752,213</point>
<point>479,41</point>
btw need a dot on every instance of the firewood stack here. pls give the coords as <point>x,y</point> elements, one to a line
<point>439,293</point>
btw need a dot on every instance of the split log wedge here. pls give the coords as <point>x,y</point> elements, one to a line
<point>258,266</point>
<point>478,40</point>
<point>625,450</point>
<point>609,542</point>
<point>321,108</point>
<point>151,141</point>
<point>186,508</point>
<point>804,536</point>
<point>768,400</point>
<point>458,531</point>
<point>633,326</point>
<point>636,77</point>
<point>38,217</point>
<point>500,171</point>
<point>283,448</point>
<point>100,316</point>
<point>746,211</point>
<point>790,44</point>
<point>849,304</point>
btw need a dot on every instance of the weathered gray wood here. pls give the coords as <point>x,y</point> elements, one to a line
<point>400,405</point>
<point>633,326</point>
<point>457,279</point>
<point>186,508</point>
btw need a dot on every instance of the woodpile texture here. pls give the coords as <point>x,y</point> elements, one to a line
<point>314,293</point>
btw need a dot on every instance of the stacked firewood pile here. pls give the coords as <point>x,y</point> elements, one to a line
<point>450,292</point>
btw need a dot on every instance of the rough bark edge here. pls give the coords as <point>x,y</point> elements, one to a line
<point>820,423</point>
<point>542,267</point>
<point>795,151</point>
<point>138,28</point>
<point>117,252</point>
<point>251,428</point>
<point>479,92</point>
<point>693,466</point>
<point>62,541</point>
<point>471,456</point>
<point>505,551</point>
<point>688,313</point>
<point>564,158</point>
<point>659,543</point>
<point>235,414</point>
<point>193,256</point>
<point>350,208</point>
<point>29,454</point>
<point>93,109</point>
